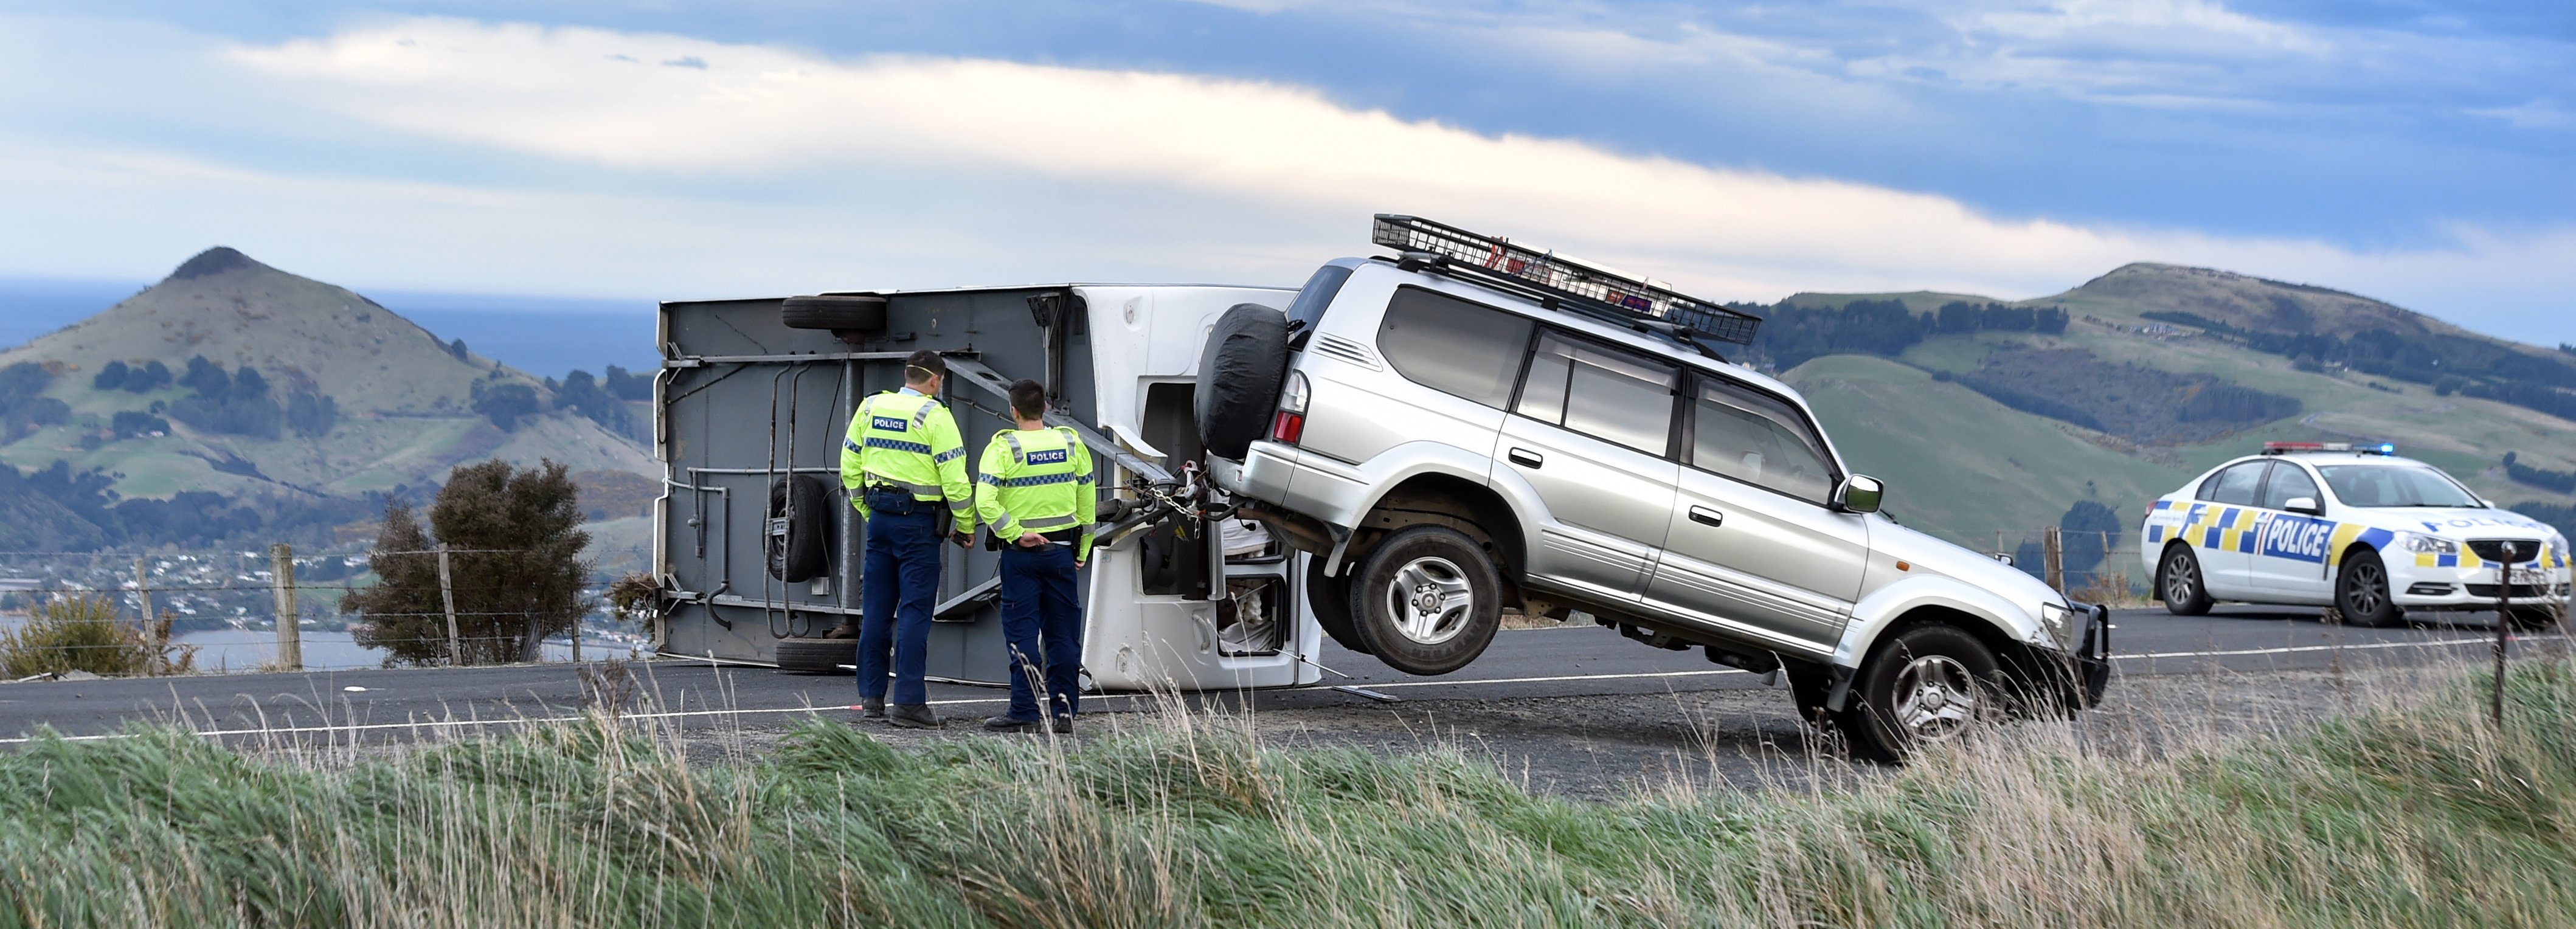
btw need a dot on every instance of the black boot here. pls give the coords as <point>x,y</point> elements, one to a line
<point>1009,724</point>
<point>871,707</point>
<point>912,716</point>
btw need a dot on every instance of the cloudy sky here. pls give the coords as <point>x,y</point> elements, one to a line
<point>2415,151</point>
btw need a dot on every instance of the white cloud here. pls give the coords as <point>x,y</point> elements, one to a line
<point>2532,114</point>
<point>771,170</point>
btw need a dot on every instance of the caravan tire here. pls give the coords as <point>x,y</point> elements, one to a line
<point>1427,600</point>
<point>861,313</point>
<point>1239,374</point>
<point>817,656</point>
<point>800,549</point>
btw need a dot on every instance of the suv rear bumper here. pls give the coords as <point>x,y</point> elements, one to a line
<point>1295,480</point>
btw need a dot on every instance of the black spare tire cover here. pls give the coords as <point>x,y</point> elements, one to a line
<point>1239,374</point>
<point>859,312</point>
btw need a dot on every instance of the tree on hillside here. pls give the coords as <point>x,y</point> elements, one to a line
<point>2090,530</point>
<point>229,404</point>
<point>504,404</point>
<point>516,568</point>
<point>581,394</point>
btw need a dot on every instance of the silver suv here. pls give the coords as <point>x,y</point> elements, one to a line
<point>1476,424</point>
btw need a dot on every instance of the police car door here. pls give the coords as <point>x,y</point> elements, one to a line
<point>2219,526</point>
<point>2288,563</point>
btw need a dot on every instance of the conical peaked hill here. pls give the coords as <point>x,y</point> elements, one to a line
<point>404,399</point>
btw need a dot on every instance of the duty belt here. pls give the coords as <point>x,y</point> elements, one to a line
<point>932,491</point>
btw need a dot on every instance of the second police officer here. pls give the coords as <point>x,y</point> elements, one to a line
<point>1035,492</point>
<point>904,465</point>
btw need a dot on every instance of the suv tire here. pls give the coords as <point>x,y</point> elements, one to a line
<point>1330,598</point>
<point>2361,592</point>
<point>1930,683</point>
<point>2179,582</point>
<point>1240,370</point>
<point>1427,600</point>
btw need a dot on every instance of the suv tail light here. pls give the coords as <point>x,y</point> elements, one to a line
<point>1289,424</point>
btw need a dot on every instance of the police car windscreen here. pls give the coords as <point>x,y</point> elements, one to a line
<point>2395,485</point>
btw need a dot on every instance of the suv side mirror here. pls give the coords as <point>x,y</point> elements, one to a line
<point>1860,493</point>
<point>2306,505</point>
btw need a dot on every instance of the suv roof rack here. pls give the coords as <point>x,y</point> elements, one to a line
<point>1560,282</point>
<point>2284,448</point>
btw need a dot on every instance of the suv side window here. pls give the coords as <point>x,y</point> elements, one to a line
<point>1759,439</point>
<point>2236,485</point>
<point>1602,393</point>
<point>1453,346</point>
<point>2289,482</point>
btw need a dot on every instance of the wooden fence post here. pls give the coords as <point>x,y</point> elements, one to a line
<point>2052,557</point>
<point>447,596</point>
<point>290,634</point>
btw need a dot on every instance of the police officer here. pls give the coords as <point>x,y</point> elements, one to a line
<point>1035,491</point>
<point>905,468</point>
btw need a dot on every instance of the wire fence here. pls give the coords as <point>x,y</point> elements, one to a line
<point>170,611</point>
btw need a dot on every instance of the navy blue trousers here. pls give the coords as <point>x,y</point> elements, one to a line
<point>901,580</point>
<point>1042,621</point>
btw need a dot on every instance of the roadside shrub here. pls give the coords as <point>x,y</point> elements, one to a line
<point>81,633</point>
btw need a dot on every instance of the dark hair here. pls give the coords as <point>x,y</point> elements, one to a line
<point>1028,399</point>
<point>924,365</point>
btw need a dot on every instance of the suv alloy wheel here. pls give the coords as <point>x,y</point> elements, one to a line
<point>1927,684</point>
<point>1427,600</point>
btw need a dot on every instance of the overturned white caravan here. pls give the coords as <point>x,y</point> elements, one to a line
<point>757,550</point>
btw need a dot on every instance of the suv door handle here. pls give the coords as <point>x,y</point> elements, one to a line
<point>1525,458</point>
<point>1706,516</point>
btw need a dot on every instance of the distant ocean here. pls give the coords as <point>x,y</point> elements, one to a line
<point>545,336</point>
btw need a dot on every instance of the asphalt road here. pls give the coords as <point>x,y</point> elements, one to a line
<point>394,705</point>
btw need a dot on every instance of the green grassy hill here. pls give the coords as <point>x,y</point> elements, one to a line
<point>1965,466</point>
<point>240,357</point>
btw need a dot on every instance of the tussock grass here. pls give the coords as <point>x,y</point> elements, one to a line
<point>2418,814</point>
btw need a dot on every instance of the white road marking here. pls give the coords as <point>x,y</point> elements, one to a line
<point>693,714</point>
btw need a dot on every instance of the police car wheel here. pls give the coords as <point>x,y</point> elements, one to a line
<point>1928,684</point>
<point>1427,600</point>
<point>1330,598</point>
<point>2361,592</point>
<point>2178,581</point>
<point>817,656</point>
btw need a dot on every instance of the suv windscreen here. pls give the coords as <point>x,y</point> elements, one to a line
<point>1758,439</point>
<point>2289,482</point>
<point>1453,346</point>
<point>2395,485</point>
<point>1308,308</point>
<point>2236,485</point>
<point>1601,393</point>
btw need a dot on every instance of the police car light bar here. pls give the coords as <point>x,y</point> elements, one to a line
<point>1549,275</point>
<point>2283,448</point>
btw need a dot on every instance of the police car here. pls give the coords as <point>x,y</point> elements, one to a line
<point>2355,528</point>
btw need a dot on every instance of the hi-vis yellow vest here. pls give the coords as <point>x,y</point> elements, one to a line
<point>907,441</point>
<point>1037,481</point>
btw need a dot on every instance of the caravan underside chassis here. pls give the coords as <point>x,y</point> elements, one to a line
<point>759,553</point>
